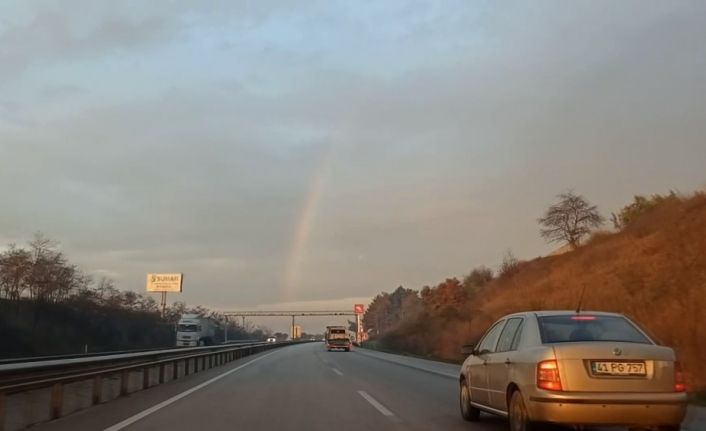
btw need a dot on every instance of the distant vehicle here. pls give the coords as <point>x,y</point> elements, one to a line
<point>196,330</point>
<point>565,367</point>
<point>337,338</point>
<point>271,340</point>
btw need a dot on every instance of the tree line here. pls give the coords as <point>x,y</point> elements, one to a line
<point>40,272</point>
<point>48,305</point>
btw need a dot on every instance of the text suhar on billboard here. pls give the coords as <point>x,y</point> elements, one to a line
<point>165,282</point>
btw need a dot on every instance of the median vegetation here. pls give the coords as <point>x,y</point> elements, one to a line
<point>650,266</point>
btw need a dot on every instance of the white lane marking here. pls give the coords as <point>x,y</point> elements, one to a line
<point>337,371</point>
<point>131,420</point>
<point>382,409</point>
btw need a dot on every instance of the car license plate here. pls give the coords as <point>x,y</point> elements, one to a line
<point>611,368</point>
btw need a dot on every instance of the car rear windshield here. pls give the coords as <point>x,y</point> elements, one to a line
<point>338,331</point>
<point>575,328</point>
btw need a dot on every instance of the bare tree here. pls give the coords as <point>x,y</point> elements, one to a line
<point>15,267</point>
<point>570,219</point>
<point>509,265</point>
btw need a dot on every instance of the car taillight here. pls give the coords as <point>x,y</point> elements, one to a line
<point>679,385</point>
<point>548,376</point>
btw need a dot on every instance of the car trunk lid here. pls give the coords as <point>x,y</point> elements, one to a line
<point>605,366</point>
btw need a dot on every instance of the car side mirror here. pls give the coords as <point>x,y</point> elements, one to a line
<point>468,349</point>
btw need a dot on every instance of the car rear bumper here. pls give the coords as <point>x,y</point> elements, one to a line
<point>608,409</point>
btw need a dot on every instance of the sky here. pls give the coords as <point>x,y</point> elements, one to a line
<point>312,154</point>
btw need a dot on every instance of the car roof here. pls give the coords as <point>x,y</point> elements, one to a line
<point>542,313</point>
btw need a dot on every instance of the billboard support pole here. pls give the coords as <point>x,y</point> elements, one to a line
<point>164,304</point>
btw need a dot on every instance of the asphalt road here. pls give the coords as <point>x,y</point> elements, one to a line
<point>301,387</point>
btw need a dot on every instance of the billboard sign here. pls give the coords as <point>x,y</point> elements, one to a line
<point>165,282</point>
<point>359,308</point>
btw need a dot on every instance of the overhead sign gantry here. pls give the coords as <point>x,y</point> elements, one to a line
<point>292,314</point>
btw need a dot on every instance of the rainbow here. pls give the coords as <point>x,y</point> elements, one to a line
<point>302,229</point>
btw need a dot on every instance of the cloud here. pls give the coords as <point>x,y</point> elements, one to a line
<point>49,33</point>
<point>449,132</point>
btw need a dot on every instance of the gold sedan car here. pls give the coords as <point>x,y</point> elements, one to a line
<point>568,367</point>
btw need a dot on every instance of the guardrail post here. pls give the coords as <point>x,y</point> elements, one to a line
<point>161,373</point>
<point>186,366</point>
<point>97,389</point>
<point>124,380</point>
<point>57,400</point>
<point>210,361</point>
<point>175,370</point>
<point>146,377</point>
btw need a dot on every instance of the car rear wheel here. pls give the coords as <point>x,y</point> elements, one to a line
<point>468,412</point>
<point>518,416</point>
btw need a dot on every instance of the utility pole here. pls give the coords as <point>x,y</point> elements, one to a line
<point>293,323</point>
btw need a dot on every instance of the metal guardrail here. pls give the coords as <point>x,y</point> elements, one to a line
<point>107,353</point>
<point>55,373</point>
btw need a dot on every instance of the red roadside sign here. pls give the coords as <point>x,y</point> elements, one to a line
<point>359,308</point>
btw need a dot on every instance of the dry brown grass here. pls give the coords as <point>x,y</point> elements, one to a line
<point>654,271</point>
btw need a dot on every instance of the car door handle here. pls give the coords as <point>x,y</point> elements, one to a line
<point>508,361</point>
<point>485,362</point>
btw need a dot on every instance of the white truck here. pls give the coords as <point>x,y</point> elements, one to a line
<point>337,338</point>
<point>197,330</point>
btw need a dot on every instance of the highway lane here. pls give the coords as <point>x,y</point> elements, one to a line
<point>301,387</point>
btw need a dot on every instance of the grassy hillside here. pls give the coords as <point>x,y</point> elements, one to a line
<point>653,270</point>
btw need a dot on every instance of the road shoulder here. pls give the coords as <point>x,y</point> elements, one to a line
<point>439,368</point>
